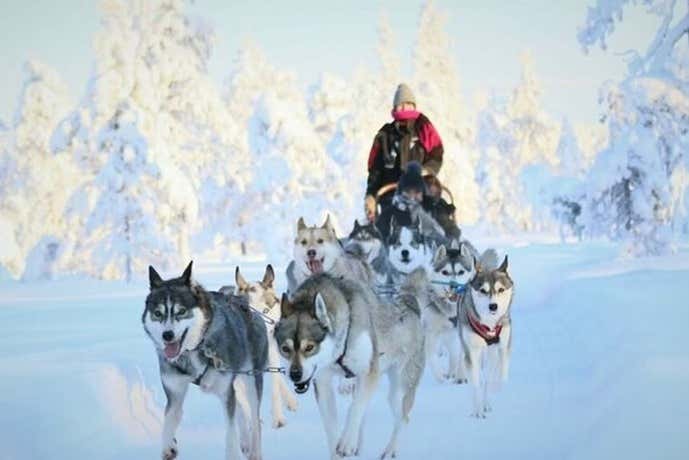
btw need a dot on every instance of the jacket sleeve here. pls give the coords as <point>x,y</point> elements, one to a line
<point>375,166</point>
<point>432,144</point>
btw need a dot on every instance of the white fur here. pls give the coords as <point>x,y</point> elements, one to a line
<point>418,257</point>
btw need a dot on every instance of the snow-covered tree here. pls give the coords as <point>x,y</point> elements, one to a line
<point>34,185</point>
<point>638,186</point>
<point>517,141</point>
<point>152,114</point>
<point>438,91</point>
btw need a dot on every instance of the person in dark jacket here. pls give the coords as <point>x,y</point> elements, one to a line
<point>409,137</point>
<point>406,207</point>
<point>442,211</point>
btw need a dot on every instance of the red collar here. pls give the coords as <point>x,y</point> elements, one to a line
<point>491,336</point>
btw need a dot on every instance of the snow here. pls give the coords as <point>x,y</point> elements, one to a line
<point>600,369</point>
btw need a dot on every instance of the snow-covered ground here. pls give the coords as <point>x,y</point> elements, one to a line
<point>600,369</point>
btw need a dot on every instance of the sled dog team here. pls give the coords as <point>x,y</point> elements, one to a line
<point>356,309</point>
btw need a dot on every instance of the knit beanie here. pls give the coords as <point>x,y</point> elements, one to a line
<point>402,95</point>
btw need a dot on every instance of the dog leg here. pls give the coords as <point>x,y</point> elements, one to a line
<point>276,394</point>
<point>363,390</point>
<point>474,378</point>
<point>395,397</point>
<point>287,395</point>
<point>325,397</point>
<point>254,387</point>
<point>232,450</point>
<point>431,350</point>
<point>455,372</point>
<point>175,388</point>
<point>243,416</point>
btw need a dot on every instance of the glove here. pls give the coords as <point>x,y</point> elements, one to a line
<point>370,208</point>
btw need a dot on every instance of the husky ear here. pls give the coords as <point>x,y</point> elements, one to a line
<point>327,225</point>
<point>268,277</point>
<point>454,244</point>
<point>321,311</point>
<point>356,225</point>
<point>503,265</point>
<point>440,254</point>
<point>186,276</point>
<point>154,279</point>
<point>301,225</point>
<point>286,307</point>
<point>477,266</point>
<point>239,280</point>
<point>464,251</point>
<point>393,223</point>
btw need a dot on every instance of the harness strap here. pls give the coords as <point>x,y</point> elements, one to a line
<point>340,361</point>
<point>491,336</point>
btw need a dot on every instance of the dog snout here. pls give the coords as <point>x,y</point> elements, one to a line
<point>168,336</point>
<point>295,373</point>
<point>493,307</point>
<point>311,253</point>
<point>405,254</point>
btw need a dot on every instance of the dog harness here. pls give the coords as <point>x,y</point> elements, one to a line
<point>491,336</point>
<point>340,361</point>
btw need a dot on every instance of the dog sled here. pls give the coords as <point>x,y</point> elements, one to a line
<point>445,192</point>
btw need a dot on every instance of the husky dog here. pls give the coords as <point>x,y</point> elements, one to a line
<point>211,340</point>
<point>408,249</point>
<point>261,296</point>
<point>336,326</point>
<point>485,330</point>
<point>366,242</point>
<point>317,250</point>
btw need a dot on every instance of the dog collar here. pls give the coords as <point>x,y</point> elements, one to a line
<point>491,336</point>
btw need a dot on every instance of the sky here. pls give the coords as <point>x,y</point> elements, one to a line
<point>311,37</point>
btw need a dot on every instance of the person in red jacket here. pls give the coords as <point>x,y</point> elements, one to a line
<point>409,137</point>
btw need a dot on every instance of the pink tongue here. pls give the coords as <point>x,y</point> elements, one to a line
<point>171,350</point>
<point>315,265</point>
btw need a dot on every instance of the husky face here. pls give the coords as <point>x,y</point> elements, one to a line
<point>260,294</point>
<point>491,292</point>
<point>304,339</point>
<point>368,238</point>
<point>316,248</point>
<point>176,314</point>
<point>407,247</point>
<point>453,265</point>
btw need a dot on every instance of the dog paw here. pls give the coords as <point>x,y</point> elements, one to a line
<point>346,387</point>
<point>279,422</point>
<point>389,452</point>
<point>480,415</point>
<point>170,453</point>
<point>487,408</point>
<point>460,381</point>
<point>245,446</point>
<point>348,446</point>
<point>291,403</point>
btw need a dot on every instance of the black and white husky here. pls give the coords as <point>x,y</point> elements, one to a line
<point>211,340</point>
<point>408,249</point>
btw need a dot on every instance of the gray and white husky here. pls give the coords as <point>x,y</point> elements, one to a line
<point>261,296</point>
<point>339,327</point>
<point>205,338</point>
<point>317,250</point>
<point>485,331</point>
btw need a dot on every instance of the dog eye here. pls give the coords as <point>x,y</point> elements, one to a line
<point>308,348</point>
<point>303,242</point>
<point>157,314</point>
<point>320,240</point>
<point>484,292</point>
<point>181,311</point>
<point>461,272</point>
<point>285,349</point>
<point>445,272</point>
<point>501,290</point>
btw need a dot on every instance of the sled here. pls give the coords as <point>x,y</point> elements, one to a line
<point>445,192</point>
